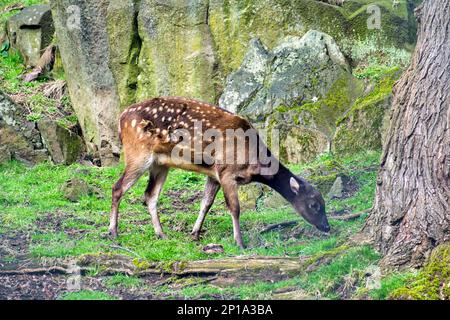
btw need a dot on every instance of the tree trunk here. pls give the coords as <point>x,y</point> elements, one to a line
<point>411,214</point>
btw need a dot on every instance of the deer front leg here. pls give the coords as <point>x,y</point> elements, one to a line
<point>211,189</point>
<point>156,181</point>
<point>130,176</point>
<point>232,200</point>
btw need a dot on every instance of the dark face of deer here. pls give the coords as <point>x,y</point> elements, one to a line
<point>309,203</point>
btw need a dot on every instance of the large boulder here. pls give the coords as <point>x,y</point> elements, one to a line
<point>30,31</point>
<point>19,138</point>
<point>81,29</point>
<point>126,51</point>
<point>64,145</point>
<point>234,22</point>
<point>177,56</point>
<point>300,88</point>
<point>295,72</point>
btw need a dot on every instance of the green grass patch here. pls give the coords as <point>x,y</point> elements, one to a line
<point>389,284</point>
<point>87,295</point>
<point>124,281</point>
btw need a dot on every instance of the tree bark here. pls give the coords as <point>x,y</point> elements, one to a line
<point>411,213</point>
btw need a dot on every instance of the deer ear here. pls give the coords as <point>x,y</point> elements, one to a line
<point>295,186</point>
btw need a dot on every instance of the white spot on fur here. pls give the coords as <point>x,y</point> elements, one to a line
<point>133,123</point>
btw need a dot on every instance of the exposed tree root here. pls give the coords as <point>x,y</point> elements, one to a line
<point>236,267</point>
<point>287,224</point>
<point>279,226</point>
<point>350,216</point>
<point>12,7</point>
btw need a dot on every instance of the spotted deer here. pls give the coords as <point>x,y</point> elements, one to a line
<point>150,134</point>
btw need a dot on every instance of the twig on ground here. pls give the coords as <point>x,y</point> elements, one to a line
<point>350,216</point>
<point>279,226</point>
<point>12,7</point>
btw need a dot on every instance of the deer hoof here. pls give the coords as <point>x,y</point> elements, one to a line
<point>195,236</point>
<point>111,234</point>
<point>162,236</point>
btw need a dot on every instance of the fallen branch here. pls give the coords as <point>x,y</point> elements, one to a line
<point>12,7</point>
<point>44,64</point>
<point>53,270</point>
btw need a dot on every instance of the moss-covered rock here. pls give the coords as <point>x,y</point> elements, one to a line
<point>303,145</point>
<point>85,51</point>
<point>64,145</point>
<point>324,176</point>
<point>30,31</point>
<point>177,56</point>
<point>363,126</point>
<point>432,282</point>
<point>234,22</point>
<point>396,26</point>
<point>249,196</point>
<point>124,48</point>
<point>74,189</point>
<point>306,112</point>
<point>19,138</point>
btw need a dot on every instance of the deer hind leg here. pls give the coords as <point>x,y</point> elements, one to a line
<point>230,192</point>
<point>211,189</point>
<point>133,171</point>
<point>156,181</point>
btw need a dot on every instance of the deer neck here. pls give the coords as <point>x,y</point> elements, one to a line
<point>278,182</point>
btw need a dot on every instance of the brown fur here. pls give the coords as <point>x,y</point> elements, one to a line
<point>146,130</point>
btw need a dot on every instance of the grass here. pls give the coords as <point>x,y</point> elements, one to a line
<point>321,283</point>
<point>389,284</point>
<point>87,295</point>
<point>4,3</point>
<point>32,200</point>
<point>123,281</point>
<point>30,196</point>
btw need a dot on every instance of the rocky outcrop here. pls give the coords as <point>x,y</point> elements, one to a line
<point>177,56</point>
<point>296,71</point>
<point>127,51</point>
<point>81,29</point>
<point>19,138</point>
<point>300,88</point>
<point>30,31</point>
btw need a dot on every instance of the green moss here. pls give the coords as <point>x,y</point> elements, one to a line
<point>395,22</point>
<point>324,175</point>
<point>234,22</point>
<point>432,282</point>
<point>122,29</point>
<point>389,284</point>
<point>362,127</point>
<point>169,66</point>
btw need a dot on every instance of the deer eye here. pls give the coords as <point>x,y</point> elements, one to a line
<point>315,206</point>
